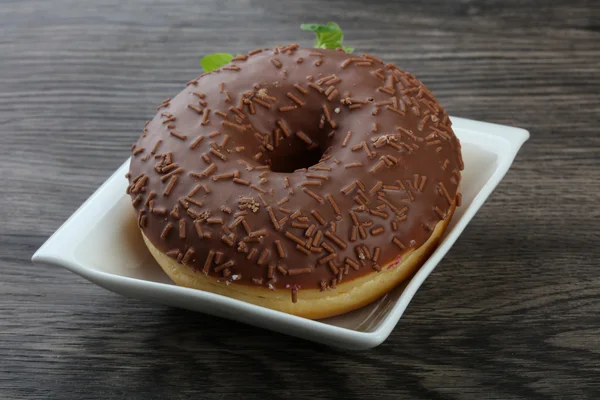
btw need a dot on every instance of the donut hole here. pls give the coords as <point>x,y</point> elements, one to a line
<point>292,161</point>
<point>370,99</point>
<point>309,137</point>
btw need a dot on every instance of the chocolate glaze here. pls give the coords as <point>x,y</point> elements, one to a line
<point>409,167</point>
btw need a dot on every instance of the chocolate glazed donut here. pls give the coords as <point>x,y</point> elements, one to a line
<point>309,181</point>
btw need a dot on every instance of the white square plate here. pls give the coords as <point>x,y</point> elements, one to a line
<point>101,242</point>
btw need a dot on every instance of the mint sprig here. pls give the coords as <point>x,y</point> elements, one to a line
<point>329,36</point>
<point>215,61</point>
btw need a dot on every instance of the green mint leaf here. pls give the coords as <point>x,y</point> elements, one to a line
<point>329,36</point>
<point>317,28</point>
<point>215,61</point>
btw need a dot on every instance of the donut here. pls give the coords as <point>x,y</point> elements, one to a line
<point>308,181</point>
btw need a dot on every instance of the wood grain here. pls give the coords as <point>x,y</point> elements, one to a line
<point>513,311</point>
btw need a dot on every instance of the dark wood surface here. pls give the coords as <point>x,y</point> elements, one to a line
<point>512,312</point>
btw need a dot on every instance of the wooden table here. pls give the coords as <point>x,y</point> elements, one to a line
<point>513,311</point>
